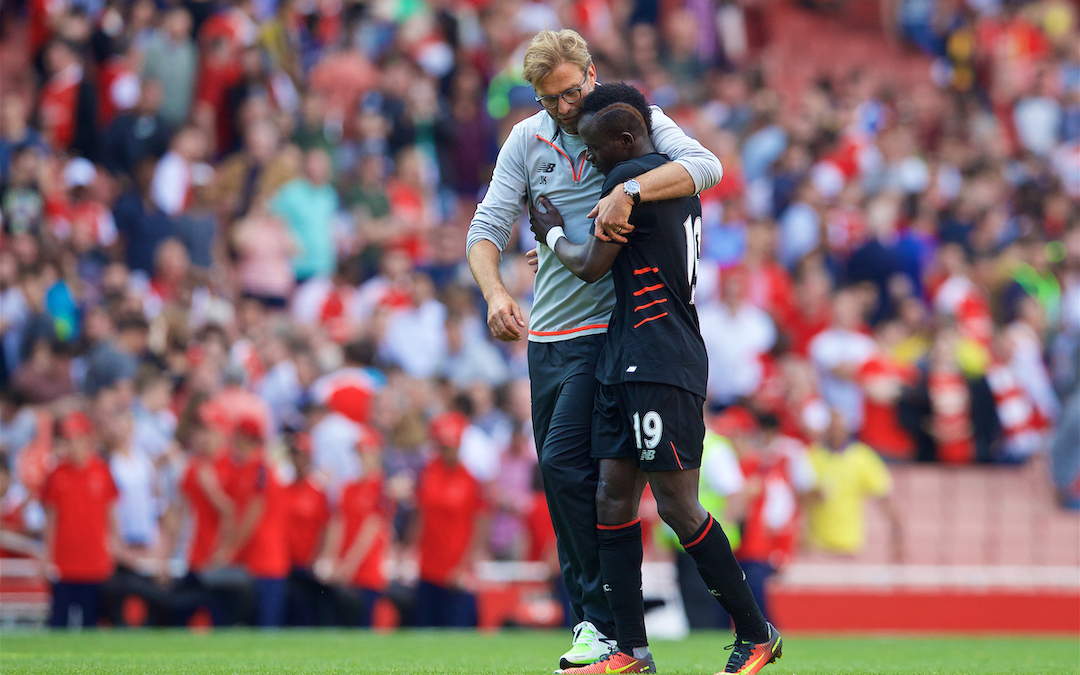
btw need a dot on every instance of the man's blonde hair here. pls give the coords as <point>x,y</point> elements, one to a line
<point>549,49</point>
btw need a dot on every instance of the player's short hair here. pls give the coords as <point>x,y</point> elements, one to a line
<point>549,49</point>
<point>605,95</point>
<point>618,118</point>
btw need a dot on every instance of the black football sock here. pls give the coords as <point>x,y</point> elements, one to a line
<point>620,570</point>
<point>725,580</point>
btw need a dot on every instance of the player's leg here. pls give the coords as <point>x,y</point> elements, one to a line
<point>677,502</point>
<point>670,431</point>
<point>426,605</point>
<point>756,642</point>
<point>91,605</point>
<point>271,596</point>
<point>757,576</point>
<point>563,386</point>
<point>63,595</point>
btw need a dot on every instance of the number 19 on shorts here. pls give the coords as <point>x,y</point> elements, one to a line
<point>649,428</point>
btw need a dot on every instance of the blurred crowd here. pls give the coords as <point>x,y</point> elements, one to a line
<point>244,366</point>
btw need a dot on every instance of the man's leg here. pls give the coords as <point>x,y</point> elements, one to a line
<point>757,574</point>
<point>618,528</point>
<point>368,598</point>
<point>426,607</point>
<point>271,595</point>
<point>757,643</point>
<point>702,610</point>
<point>563,388</point>
<point>461,609</point>
<point>297,608</point>
<point>233,595</point>
<point>90,600</point>
<point>619,532</point>
<point>62,595</point>
<point>703,538</point>
<point>671,435</point>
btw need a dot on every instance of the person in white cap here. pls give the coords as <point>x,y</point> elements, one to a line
<point>83,219</point>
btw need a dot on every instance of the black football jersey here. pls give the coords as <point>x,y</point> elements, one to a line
<point>653,334</point>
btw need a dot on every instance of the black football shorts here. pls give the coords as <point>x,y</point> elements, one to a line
<point>660,426</point>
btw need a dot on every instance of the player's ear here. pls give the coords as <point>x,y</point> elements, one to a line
<point>627,139</point>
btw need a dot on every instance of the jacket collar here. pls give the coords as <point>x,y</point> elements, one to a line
<point>549,130</point>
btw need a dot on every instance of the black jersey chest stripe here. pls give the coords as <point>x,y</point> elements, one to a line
<point>647,289</point>
<point>649,304</point>
<point>646,270</point>
<point>650,318</point>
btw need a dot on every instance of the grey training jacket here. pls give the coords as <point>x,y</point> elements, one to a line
<point>534,162</point>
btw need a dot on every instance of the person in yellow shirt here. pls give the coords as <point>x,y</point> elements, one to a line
<point>849,474</point>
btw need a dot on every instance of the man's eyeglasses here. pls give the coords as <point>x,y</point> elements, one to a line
<point>570,96</point>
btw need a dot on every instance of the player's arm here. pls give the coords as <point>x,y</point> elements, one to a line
<point>123,553</point>
<point>692,169</point>
<point>589,261</point>
<point>211,487</point>
<point>250,518</point>
<point>48,552</point>
<point>489,233</point>
<point>461,576</point>
<point>361,546</point>
<point>504,314</point>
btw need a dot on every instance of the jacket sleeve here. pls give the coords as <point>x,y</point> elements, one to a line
<point>505,199</point>
<point>669,139</point>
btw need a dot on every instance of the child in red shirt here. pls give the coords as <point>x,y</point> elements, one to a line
<point>259,542</point>
<point>203,489</point>
<point>360,532</point>
<point>449,501</point>
<point>211,513</point>
<point>307,514</point>
<point>81,533</point>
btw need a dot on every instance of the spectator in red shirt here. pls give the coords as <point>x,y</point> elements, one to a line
<point>81,533</point>
<point>14,542</point>
<point>811,312</point>
<point>884,378</point>
<point>449,503</point>
<point>360,532</point>
<point>777,472</point>
<point>210,507</point>
<point>67,106</point>
<point>212,513</point>
<point>259,541</point>
<point>307,515</point>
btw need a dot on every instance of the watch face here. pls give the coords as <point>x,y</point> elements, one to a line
<point>632,187</point>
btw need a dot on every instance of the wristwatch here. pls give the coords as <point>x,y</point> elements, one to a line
<point>632,188</point>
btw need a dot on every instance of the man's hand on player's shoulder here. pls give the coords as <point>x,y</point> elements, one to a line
<point>612,216</point>
<point>541,223</point>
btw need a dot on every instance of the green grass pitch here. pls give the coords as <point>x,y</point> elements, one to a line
<point>468,653</point>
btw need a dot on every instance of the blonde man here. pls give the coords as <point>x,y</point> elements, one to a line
<point>544,157</point>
